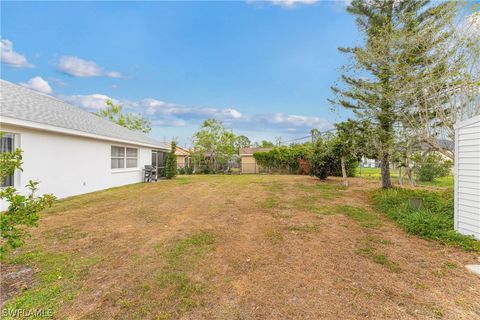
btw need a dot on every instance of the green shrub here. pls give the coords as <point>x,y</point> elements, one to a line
<point>326,162</point>
<point>181,171</point>
<point>286,158</point>
<point>432,220</point>
<point>431,167</point>
<point>171,162</point>
<point>23,210</point>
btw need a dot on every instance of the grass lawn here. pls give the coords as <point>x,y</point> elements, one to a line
<point>238,247</point>
<point>374,173</point>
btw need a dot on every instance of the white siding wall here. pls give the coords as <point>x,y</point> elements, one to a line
<point>68,165</point>
<point>467,177</point>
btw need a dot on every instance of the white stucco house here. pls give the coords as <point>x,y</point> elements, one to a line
<point>67,150</point>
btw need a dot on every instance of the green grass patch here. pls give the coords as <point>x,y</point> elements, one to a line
<point>310,203</point>
<point>374,173</point>
<point>369,250</point>
<point>274,236</point>
<point>366,218</point>
<point>433,220</point>
<point>444,182</point>
<point>270,202</point>
<point>191,247</point>
<point>182,292</point>
<point>57,281</point>
<point>183,180</point>
<point>322,190</point>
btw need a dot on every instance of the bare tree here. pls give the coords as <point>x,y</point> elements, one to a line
<point>447,88</point>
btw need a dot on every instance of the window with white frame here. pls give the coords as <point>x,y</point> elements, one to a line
<point>7,144</point>
<point>123,157</point>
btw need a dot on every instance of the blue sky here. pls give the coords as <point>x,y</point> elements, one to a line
<point>263,68</point>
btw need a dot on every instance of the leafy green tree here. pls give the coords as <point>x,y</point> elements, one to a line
<point>353,140</point>
<point>214,144</point>
<point>370,85</point>
<point>326,159</point>
<point>265,144</point>
<point>22,210</point>
<point>131,121</point>
<point>171,162</point>
<point>242,142</point>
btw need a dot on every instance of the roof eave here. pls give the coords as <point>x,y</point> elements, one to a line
<point>50,128</point>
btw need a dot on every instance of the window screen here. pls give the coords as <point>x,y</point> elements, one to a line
<point>7,144</point>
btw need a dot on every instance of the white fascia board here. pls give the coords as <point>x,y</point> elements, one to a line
<point>50,128</point>
<point>467,122</point>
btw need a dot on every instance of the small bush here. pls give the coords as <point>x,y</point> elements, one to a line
<point>431,167</point>
<point>434,220</point>
<point>171,162</point>
<point>181,171</point>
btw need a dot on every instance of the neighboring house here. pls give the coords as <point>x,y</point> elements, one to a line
<point>248,163</point>
<point>368,163</point>
<point>67,150</point>
<point>183,157</point>
<point>467,177</point>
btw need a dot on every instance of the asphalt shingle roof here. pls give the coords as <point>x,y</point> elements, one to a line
<point>25,104</point>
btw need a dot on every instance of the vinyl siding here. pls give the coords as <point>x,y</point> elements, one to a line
<point>467,177</point>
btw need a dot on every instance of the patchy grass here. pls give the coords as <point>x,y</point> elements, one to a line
<point>57,280</point>
<point>374,173</point>
<point>311,203</point>
<point>216,247</point>
<point>323,190</point>
<point>433,220</point>
<point>270,202</point>
<point>181,180</point>
<point>189,248</point>
<point>369,249</point>
<point>444,182</point>
<point>303,228</point>
<point>275,236</point>
<point>366,218</point>
<point>183,292</point>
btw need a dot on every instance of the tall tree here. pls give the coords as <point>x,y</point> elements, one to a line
<point>353,139</point>
<point>370,86</point>
<point>128,120</point>
<point>264,144</point>
<point>242,142</point>
<point>442,83</point>
<point>214,140</point>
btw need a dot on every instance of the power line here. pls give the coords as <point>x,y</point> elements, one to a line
<point>309,136</point>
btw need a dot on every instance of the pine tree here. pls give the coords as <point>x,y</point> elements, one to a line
<point>171,162</point>
<point>371,84</point>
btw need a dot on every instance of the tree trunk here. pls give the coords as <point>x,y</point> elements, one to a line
<point>344,172</point>
<point>400,177</point>
<point>385,169</point>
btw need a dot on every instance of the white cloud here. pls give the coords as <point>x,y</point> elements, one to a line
<point>292,3</point>
<point>38,84</point>
<point>78,67</point>
<point>12,58</point>
<point>89,102</point>
<point>166,114</point>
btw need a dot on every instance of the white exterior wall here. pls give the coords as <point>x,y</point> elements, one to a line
<point>67,165</point>
<point>467,177</point>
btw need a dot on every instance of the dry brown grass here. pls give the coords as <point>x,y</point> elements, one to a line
<point>247,247</point>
